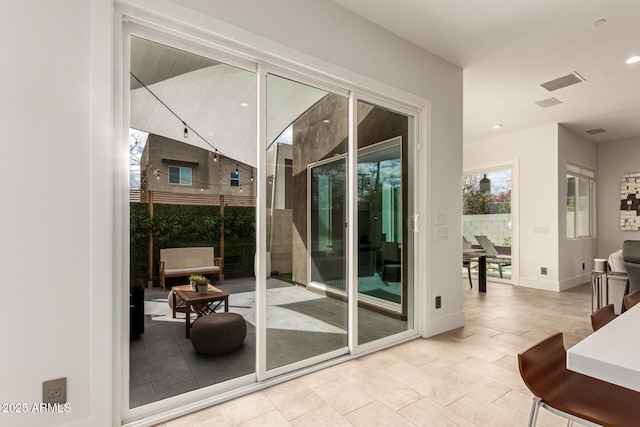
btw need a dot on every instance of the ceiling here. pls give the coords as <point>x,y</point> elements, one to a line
<point>508,48</point>
<point>172,89</point>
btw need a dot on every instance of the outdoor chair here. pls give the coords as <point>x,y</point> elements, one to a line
<point>602,316</point>
<point>631,299</point>
<point>571,395</point>
<point>493,257</point>
<point>466,258</point>
<point>466,262</point>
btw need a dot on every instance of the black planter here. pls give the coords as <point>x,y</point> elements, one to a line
<point>137,313</point>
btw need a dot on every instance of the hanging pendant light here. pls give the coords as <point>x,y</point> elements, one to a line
<point>485,185</point>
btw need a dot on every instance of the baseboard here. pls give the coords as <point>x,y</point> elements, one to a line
<point>444,323</point>
<point>574,281</point>
<point>535,283</point>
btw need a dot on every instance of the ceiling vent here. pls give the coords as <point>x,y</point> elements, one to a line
<point>564,81</point>
<point>595,131</point>
<point>549,102</point>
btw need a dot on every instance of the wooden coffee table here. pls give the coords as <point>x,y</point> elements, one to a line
<point>201,304</point>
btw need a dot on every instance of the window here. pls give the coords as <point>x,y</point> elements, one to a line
<point>580,195</point>
<point>179,175</point>
<point>235,179</point>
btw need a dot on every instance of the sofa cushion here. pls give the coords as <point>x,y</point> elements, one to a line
<point>616,263</point>
<point>190,270</point>
<point>186,257</point>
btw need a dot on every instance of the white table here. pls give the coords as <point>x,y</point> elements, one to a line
<point>612,353</point>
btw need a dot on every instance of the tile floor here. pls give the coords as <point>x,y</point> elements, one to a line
<point>466,377</point>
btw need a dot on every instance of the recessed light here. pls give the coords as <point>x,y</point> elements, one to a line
<point>496,126</point>
<point>632,60</point>
<point>326,121</point>
<point>244,104</point>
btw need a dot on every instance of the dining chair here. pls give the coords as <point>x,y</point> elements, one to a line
<point>602,316</point>
<point>631,299</point>
<point>573,396</point>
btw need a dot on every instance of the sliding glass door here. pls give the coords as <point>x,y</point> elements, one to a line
<point>192,151</point>
<point>329,196</point>
<point>380,224</point>
<point>385,243</point>
<point>488,220</point>
<point>327,218</point>
<point>306,315</point>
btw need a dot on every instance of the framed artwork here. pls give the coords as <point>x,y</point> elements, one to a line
<point>630,202</point>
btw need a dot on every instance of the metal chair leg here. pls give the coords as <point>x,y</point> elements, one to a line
<point>535,406</point>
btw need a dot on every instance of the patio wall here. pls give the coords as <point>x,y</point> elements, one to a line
<point>281,247</point>
<point>494,226</point>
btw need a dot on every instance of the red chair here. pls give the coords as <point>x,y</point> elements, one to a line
<point>602,316</point>
<point>571,395</point>
<point>629,300</point>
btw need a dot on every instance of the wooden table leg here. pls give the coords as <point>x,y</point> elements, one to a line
<point>173,309</point>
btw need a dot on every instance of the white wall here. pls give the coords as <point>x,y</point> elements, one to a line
<point>535,151</point>
<point>614,159</point>
<point>48,245</point>
<point>58,217</point>
<point>574,253</point>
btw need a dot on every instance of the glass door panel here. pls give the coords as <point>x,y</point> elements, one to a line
<point>385,286</point>
<point>193,125</point>
<point>327,216</point>
<point>487,220</point>
<point>306,313</point>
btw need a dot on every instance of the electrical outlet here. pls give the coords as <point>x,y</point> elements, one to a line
<point>438,301</point>
<point>54,391</point>
<point>543,271</point>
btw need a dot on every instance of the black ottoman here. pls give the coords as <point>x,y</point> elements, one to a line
<point>218,333</point>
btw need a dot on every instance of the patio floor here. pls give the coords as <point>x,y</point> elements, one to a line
<point>300,323</point>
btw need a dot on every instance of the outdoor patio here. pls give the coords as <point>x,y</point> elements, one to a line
<point>301,324</point>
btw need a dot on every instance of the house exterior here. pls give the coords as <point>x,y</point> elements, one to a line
<point>176,167</point>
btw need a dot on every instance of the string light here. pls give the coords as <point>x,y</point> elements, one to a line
<point>201,187</point>
<point>251,176</point>
<point>186,127</point>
